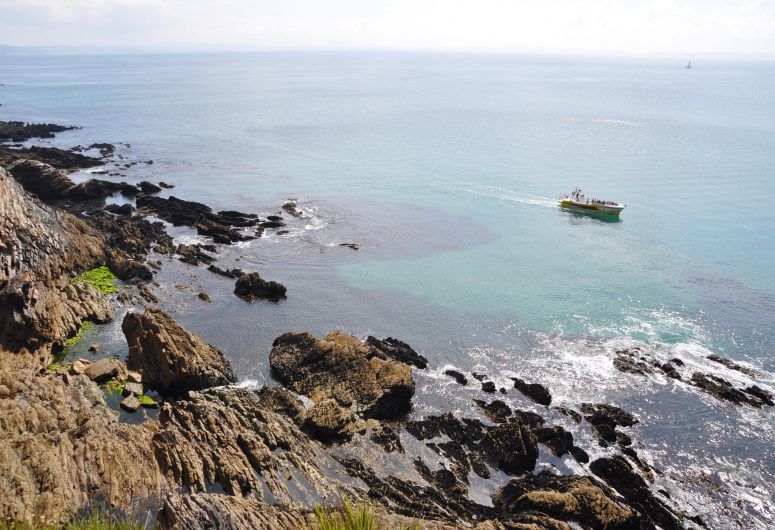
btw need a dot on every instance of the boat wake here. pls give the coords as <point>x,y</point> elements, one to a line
<point>503,194</point>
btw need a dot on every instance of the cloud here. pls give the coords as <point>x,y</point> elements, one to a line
<point>626,26</point>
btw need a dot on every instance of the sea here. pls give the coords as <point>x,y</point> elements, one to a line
<point>445,170</point>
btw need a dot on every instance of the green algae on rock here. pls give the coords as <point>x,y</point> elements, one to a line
<point>101,278</point>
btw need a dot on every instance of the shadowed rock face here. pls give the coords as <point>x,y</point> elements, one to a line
<point>342,367</point>
<point>172,360</point>
<point>618,473</point>
<point>41,250</point>
<point>42,180</point>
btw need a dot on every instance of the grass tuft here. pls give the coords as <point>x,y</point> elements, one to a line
<point>100,278</point>
<point>352,517</point>
<point>97,519</point>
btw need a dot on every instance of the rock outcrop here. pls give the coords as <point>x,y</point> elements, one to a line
<point>41,250</point>
<point>40,179</point>
<point>171,359</point>
<point>251,287</point>
<point>346,369</point>
<point>227,438</point>
<point>61,446</point>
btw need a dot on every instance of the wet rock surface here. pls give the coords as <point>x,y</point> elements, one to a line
<point>534,391</point>
<point>171,359</point>
<point>19,131</point>
<point>251,287</point>
<point>399,351</point>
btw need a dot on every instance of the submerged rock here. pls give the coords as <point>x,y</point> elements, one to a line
<point>723,389</point>
<point>171,359</point>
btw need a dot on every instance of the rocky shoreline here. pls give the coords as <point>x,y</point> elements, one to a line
<point>220,456</point>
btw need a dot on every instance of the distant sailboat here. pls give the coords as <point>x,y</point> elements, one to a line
<point>689,66</point>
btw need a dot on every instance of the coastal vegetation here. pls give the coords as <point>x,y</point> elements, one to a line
<point>101,278</point>
<point>96,519</point>
<point>85,326</point>
<point>349,516</point>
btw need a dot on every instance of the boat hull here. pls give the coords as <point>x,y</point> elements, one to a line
<point>592,207</point>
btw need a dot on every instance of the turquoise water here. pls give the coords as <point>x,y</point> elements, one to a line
<point>445,169</point>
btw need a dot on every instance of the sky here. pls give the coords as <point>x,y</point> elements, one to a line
<point>580,26</point>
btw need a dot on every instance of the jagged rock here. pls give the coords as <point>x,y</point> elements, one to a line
<point>387,437</point>
<point>148,187</point>
<point>61,446</point>
<point>732,365</point>
<point>207,511</point>
<point>220,233</point>
<point>328,421</point>
<point>126,267</point>
<point>497,411</point>
<point>134,235</point>
<point>19,131</point>
<point>398,350</point>
<point>552,502</point>
<point>342,367</point>
<point>42,180</point>
<point>189,213</point>
<point>240,219</point>
<point>251,287</point>
<point>511,446</point>
<point>166,186</point>
<point>193,254</point>
<point>134,377</point>
<point>537,392</point>
<point>233,273</point>
<point>41,250</point>
<point>120,209</point>
<point>58,158</point>
<point>283,402</point>
<point>104,370</point>
<point>225,437</point>
<point>130,403</point>
<point>292,209</point>
<point>99,189</point>
<point>170,359</point>
<point>723,389</point>
<point>670,371</point>
<point>604,420</point>
<point>618,474</point>
<point>457,376</point>
<point>488,386</point>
